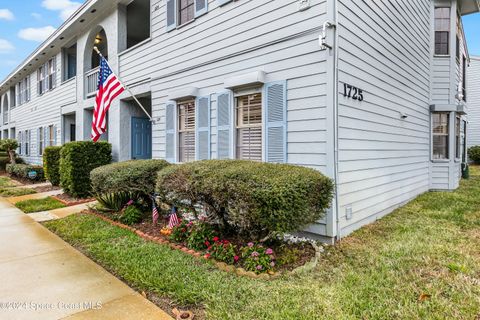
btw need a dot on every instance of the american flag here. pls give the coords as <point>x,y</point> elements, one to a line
<point>173,222</point>
<point>109,87</point>
<point>155,214</point>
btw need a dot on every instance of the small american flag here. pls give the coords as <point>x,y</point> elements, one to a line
<point>109,87</point>
<point>173,222</point>
<point>155,214</point>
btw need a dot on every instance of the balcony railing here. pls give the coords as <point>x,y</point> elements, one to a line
<point>91,82</point>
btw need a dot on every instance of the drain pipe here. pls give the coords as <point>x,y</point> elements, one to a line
<point>335,113</point>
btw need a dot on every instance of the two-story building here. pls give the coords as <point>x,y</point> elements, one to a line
<point>473,89</point>
<point>371,93</point>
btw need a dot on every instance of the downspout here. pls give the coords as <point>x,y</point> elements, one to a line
<point>335,117</point>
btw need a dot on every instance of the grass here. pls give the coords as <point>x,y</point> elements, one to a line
<point>37,205</point>
<point>15,192</point>
<point>420,262</point>
<point>6,182</point>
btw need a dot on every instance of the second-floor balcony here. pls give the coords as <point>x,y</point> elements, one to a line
<point>91,82</point>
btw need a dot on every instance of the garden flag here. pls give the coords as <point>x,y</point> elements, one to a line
<point>109,87</point>
<point>173,222</point>
<point>155,214</point>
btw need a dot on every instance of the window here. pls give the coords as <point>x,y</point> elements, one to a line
<point>69,62</point>
<point>186,131</point>
<point>51,136</point>
<point>464,141</point>
<point>440,135</point>
<point>249,127</point>
<point>138,22</point>
<point>458,48</point>
<point>46,76</point>
<point>442,31</point>
<point>458,140</point>
<point>23,91</point>
<point>186,11</point>
<point>41,141</point>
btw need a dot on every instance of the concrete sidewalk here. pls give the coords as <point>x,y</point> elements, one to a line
<point>43,277</point>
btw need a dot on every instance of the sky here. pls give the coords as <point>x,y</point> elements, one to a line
<point>24,24</point>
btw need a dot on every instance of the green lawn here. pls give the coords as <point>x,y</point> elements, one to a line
<point>5,182</point>
<point>421,262</point>
<point>37,205</point>
<point>15,192</point>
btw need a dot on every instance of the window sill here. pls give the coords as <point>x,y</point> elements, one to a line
<point>185,24</point>
<point>135,47</point>
<point>441,56</point>
<point>68,80</point>
<point>440,160</point>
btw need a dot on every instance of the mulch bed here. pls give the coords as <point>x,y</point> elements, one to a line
<point>71,201</point>
<point>25,182</point>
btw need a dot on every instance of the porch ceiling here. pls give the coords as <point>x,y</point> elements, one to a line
<point>469,6</point>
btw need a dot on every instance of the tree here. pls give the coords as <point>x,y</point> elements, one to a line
<point>10,145</point>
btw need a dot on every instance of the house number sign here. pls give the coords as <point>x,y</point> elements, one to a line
<point>352,92</point>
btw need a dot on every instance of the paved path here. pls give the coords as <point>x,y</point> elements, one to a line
<point>59,213</point>
<point>48,279</point>
<point>34,196</point>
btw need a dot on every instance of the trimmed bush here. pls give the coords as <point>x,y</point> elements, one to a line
<point>77,160</point>
<point>51,164</point>
<point>3,163</point>
<point>21,171</point>
<point>474,154</point>
<point>250,197</point>
<point>131,215</point>
<point>137,176</point>
<point>10,146</point>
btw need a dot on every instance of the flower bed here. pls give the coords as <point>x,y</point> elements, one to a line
<point>71,201</point>
<point>255,260</point>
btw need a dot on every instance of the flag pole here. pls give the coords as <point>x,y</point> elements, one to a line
<point>127,88</point>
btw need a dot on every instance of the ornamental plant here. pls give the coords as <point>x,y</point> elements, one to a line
<point>10,145</point>
<point>181,232</point>
<point>223,250</point>
<point>474,154</point>
<point>51,164</point>
<point>131,215</point>
<point>257,258</point>
<point>201,235</point>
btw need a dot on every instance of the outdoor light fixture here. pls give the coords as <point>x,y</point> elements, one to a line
<point>98,40</point>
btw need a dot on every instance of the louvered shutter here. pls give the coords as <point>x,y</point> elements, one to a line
<point>201,7</point>
<point>170,131</point>
<point>203,128</point>
<point>276,121</point>
<point>171,14</point>
<point>222,2</point>
<point>46,137</point>
<point>38,141</point>
<point>224,119</point>
<point>54,135</point>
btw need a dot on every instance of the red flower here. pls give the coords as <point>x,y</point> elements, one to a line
<point>207,243</point>
<point>236,258</point>
<point>207,256</point>
<point>226,242</point>
<point>215,239</point>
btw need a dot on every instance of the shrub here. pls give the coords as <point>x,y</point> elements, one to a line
<point>181,232</point>
<point>77,160</point>
<point>137,176</point>
<point>22,170</point>
<point>200,236</point>
<point>114,201</point>
<point>131,215</point>
<point>474,154</point>
<point>223,250</point>
<point>250,197</point>
<point>51,164</point>
<point>3,163</point>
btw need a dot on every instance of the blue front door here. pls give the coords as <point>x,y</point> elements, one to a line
<point>141,138</point>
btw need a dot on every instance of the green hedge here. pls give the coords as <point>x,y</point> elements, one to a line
<point>130,176</point>
<point>22,170</point>
<point>474,154</point>
<point>51,164</point>
<point>249,197</point>
<point>77,160</point>
<point>3,163</point>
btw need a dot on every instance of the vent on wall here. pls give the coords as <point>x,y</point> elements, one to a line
<point>348,212</point>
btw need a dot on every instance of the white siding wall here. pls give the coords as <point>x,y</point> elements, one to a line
<point>473,98</point>
<point>383,159</point>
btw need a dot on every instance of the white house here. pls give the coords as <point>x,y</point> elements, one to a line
<point>371,93</point>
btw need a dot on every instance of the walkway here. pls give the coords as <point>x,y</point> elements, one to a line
<point>45,278</point>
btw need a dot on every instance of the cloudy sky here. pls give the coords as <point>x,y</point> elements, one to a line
<point>24,24</point>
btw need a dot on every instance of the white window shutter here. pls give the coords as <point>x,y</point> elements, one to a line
<point>202,128</point>
<point>170,120</point>
<point>276,121</point>
<point>222,2</point>
<point>224,123</point>
<point>201,7</point>
<point>171,14</point>
<point>38,141</point>
<point>54,135</point>
<point>46,137</point>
